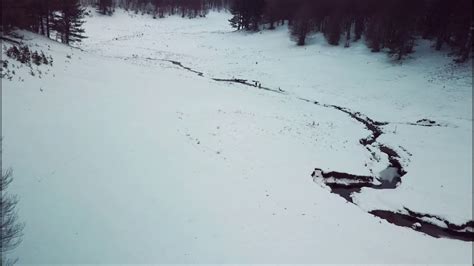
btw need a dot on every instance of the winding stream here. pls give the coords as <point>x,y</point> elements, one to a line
<point>346,184</point>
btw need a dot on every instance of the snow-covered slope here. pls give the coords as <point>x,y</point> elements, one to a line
<point>123,157</point>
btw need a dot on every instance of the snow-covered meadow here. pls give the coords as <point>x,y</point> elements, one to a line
<point>122,156</point>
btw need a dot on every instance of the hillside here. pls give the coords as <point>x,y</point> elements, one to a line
<point>183,141</point>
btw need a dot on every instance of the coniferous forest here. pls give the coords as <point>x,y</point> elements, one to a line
<point>392,25</point>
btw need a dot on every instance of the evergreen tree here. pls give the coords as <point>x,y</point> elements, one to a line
<point>301,24</point>
<point>376,24</point>
<point>16,14</point>
<point>332,29</point>
<point>43,12</point>
<point>160,8</point>
<point>68,21</point>
<point>335,20</point>
<point>461,28</point>
<point>237,9</point>
<point>257,8</point>
<point>247,14</point>
<point>439,16</point>
<point>402,26</point>
<point>271,14</point>
<point>10,228</point>
<point>105,7</point>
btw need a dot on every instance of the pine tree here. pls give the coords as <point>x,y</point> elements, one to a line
<point>247,14</point>
<point>104,7</point>
<point>10,227</point>
<point>43,12</point>
<point>16,14</point>
<point>301,25</point>
<point>337,19</point>
<point>437,22</point>
<point>68,21</point>
<point>257,8</point>
<point>160,8</point>
<point>461,28</point>
<point>238,10</point>
<point>271,13</point>
<point>376,24</point>
<point>401,28</point>
<point>332,29</point>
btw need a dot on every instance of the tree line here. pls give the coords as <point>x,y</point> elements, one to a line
<point>59,19</point>
<point>391,25</point>
<point>63,19</point>
<point>163,8</point>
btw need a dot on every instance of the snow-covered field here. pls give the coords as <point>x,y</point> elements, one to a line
<point>121,156</point>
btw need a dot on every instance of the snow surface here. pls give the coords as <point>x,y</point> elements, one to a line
<point>120,157</point>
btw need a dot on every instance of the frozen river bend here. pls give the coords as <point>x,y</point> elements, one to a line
<point>181,141</point>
